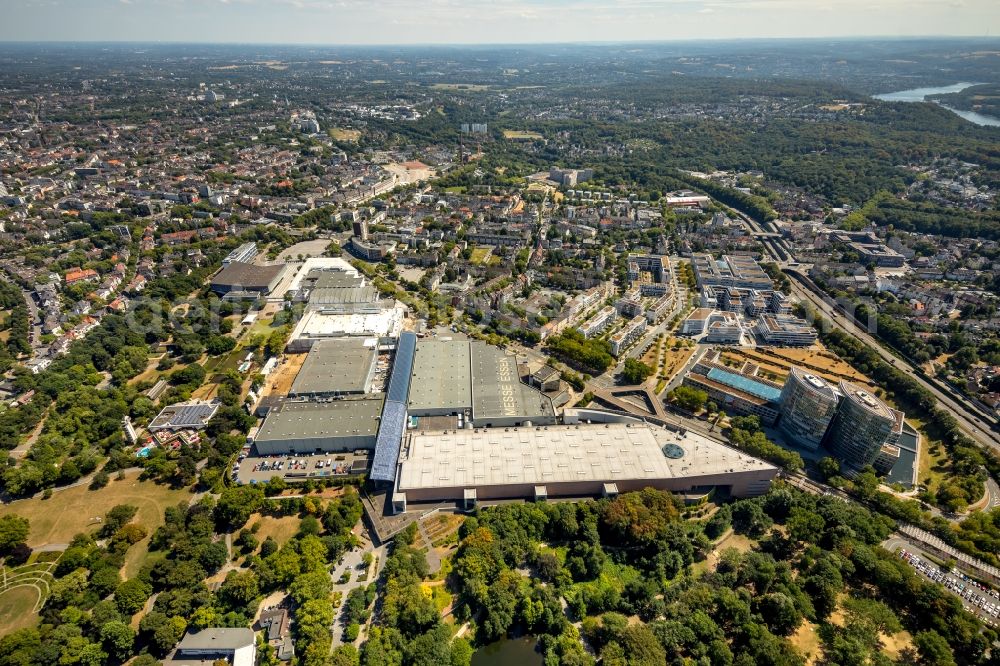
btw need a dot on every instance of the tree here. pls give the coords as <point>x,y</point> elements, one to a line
<point>749,423</point>
<point>780,613</point>
<point>100,480</point>
<point>641,646</point>
<point>104,581</point>
<point>461,652</point>
<point>344,655</point>
<point>118,638</point>
<point>246,541</point>
<point>13,531</point>
<point>689,399</point>
<point>236,504</point>
<point>313,585</point>
<point>431,648</point>
<point>720,521</point>
<point>213,556</point>
<point>162,631</point>
<point>217,345</point>
<point>132,595</point>
<point>829,467</point>
<point>356,605</point>
<point>933,649</point>
<point>635,371</point>
<point>240,588</point>
<point>749,518</point>
<point>804,525</point>
<point>641,517</point>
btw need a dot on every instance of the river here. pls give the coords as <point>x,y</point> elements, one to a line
<point>920,95</point>
<point>508,652</point>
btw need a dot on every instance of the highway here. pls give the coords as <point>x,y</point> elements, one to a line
<point>977,425</point>
<point>974,426</point>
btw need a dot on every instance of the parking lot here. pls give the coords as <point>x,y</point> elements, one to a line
<point>977,598</point>
<point>255,468</point>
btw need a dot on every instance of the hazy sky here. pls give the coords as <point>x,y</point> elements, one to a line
<point>485,21</point>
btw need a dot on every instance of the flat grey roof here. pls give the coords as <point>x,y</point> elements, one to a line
<point>542,455</point>
<point>343,295</point>
<point>327,279</point>
<point>248,276</point>
<point>442,375</point>
<point>220,639</point>
<point>335,366</point>
<point>497,391</point>
<point>321,420</point>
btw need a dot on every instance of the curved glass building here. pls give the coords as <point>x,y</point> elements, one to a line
<point>808,405</point>
<point>864,424</point>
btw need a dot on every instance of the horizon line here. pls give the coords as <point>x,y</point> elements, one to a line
<point>713,40</point>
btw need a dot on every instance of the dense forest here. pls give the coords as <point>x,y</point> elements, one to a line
<point>14,325</point>
<point>89,618</point>
<point>983,99</point>
<point>629,577</point>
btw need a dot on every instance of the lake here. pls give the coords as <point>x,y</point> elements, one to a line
<point>920,95</point>
<point>509,652</point>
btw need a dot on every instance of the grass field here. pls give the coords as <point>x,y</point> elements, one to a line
<point>151,373</point>
<point>518,135</point>
<point>260,327</point>
<point>441,527</point>
<point>17,609</point>
<point>932,464</point>
<point>78,509</point>
<point>806,641</point>
<point>896,643</point>
<point>479,255</point>
<point>343,134</point>
<point>729,540</point>
<point>673,361</point>
<point>280,529</point>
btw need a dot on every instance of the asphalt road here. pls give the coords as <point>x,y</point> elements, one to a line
<point>974,426</point>
<point>976,430</point>
<point>993,488</point>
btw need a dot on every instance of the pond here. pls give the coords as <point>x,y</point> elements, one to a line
<point>509,652</point>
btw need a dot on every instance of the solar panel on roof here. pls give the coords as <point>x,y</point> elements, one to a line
<point>390,436</point>
<point>745,384</point>
<point>402,367</point>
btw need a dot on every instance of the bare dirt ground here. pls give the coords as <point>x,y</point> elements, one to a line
<point>279,382</point>
<point>778,360</point>
<point>806,641</point>
<point>406,176</point>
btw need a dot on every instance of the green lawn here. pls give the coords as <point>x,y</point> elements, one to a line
<point>479,255</point>
<point>74,510</point>
<point>17,609</point>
